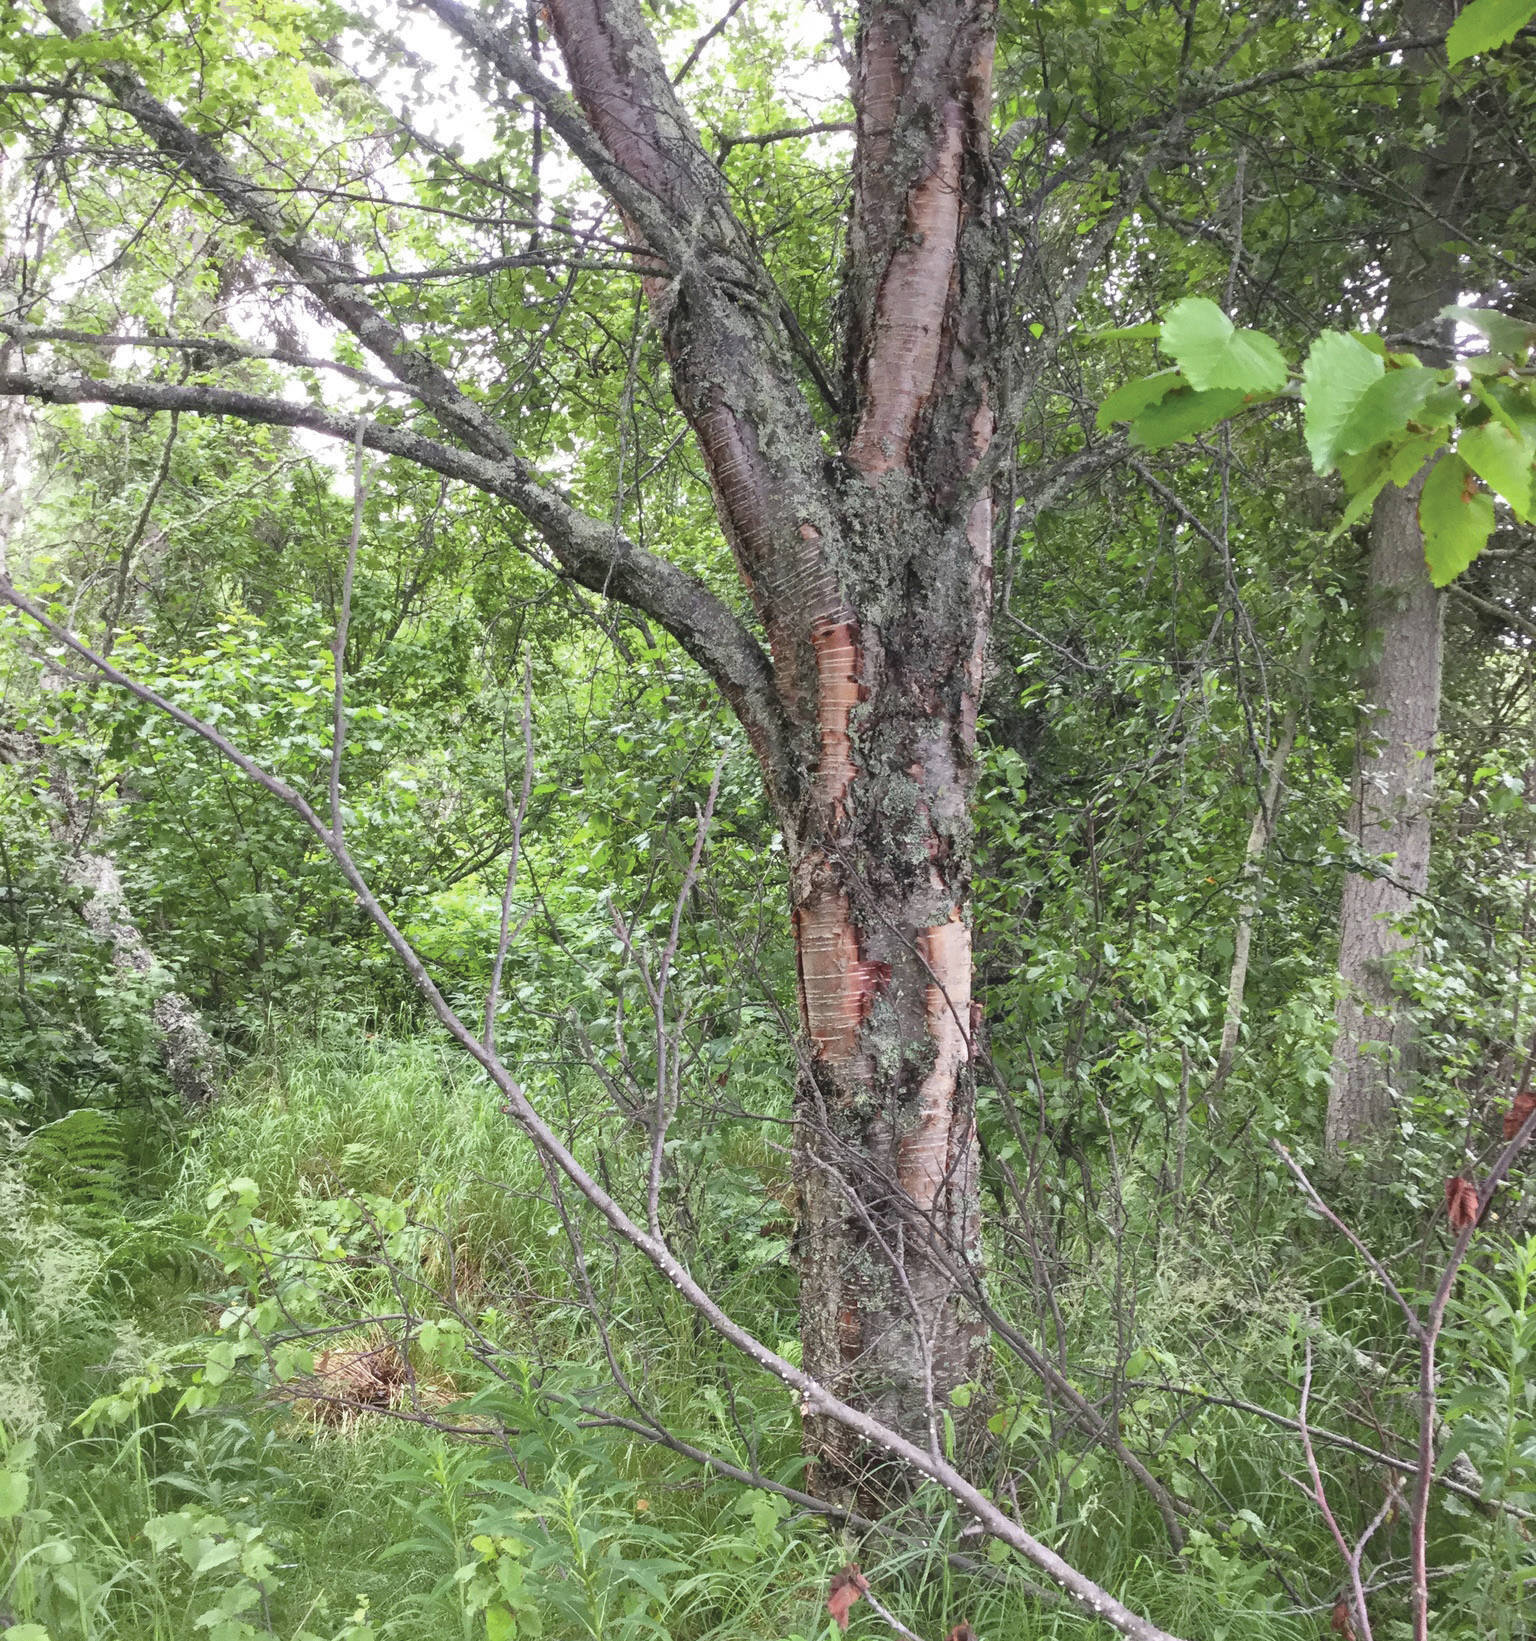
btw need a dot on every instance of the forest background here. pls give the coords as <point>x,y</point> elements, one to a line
<point>318,1326</point>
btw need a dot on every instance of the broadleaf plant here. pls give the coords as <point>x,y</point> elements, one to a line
<point>1374,416</point>
<point>1486,25</point>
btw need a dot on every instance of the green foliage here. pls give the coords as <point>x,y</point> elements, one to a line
<point>185,1455</point>
<point>1374,416</point>
<point>1456,518</point>
<point>1213,354</point>
<point>1485,25</point>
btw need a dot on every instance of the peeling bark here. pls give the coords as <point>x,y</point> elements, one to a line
<point>902,368</point>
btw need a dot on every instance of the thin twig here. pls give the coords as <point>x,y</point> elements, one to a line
<point>1320,1498</point>
<point>343,620</point>
<point>1415,1326</point>
<point>517,816</point>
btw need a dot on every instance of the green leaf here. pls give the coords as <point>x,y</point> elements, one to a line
<point>13,1494</point>
<point>1513,406</point>
<point>1386,407</point>
<point>1502,460</point>
<point>1128,400</point>
<point>1456,518</point>
<point>1214,354</point>
<point>206,1554</point>
<point>1511,337</point>
<point>1407,459</point>
<point>1486,25</point>
<point>1338,371</point>
<point>1360,503</point>
<point>1182,415</point>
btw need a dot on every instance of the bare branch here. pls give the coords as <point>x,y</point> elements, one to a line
<point>590,552</point>
<point>783,133</point>
<point>704,39</point>
<point>219,348</point>
<point>1415,1326</point>
<point>339,645</point>
<point>517,816</point>
<point>1320,1498</point>
<point>814,1398</point>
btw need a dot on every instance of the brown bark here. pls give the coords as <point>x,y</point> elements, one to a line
<point>1392,799</point>
<point>871,577</point>
<point>869,573</point>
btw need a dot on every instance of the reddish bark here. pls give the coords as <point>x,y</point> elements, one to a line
<point>871,578</point>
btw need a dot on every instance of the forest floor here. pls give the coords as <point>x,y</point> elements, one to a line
<point>315,1367</point>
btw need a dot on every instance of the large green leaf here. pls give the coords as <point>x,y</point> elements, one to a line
<point>1511,337</point>
<point>1486,25</point>
<point>1338,372</point>
<point>1456,518</point>
<point>1182,415</point>
<point>1215,355</point>
<point>1361,501</point>
<point>13,1493</point>
<point>1408,458</point>
<point>1128,400</point>
<point>1385,408</point>
<point>1502,460</point>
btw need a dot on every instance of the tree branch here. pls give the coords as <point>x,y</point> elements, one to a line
<point>814,1398</point>
<point>720,315</point>
<point>590,552</point>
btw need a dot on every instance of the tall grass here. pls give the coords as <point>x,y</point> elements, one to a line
<point>612,1537</point>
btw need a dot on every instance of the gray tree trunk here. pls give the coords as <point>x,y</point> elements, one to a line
<point>1390,820</point>
<point>1392,801</point>
<point>191,1056</point>
<point>192,1059</point>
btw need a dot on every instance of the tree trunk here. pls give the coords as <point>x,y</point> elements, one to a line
<point>1390,819</point>
<point>870,573</point>
<point>881,889</point>
<point>1393,789</point>
<point>190,1054</point>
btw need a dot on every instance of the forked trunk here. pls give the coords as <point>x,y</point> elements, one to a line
<point>869,572</point>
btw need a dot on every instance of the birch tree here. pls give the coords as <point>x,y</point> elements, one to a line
<point>855,463</point>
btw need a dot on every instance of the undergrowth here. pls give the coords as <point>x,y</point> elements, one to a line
<point>365,1405</point>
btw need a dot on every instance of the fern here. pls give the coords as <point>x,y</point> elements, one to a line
<point>80,1161</point>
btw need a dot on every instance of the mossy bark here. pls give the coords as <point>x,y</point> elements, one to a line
<point>867,559</point>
